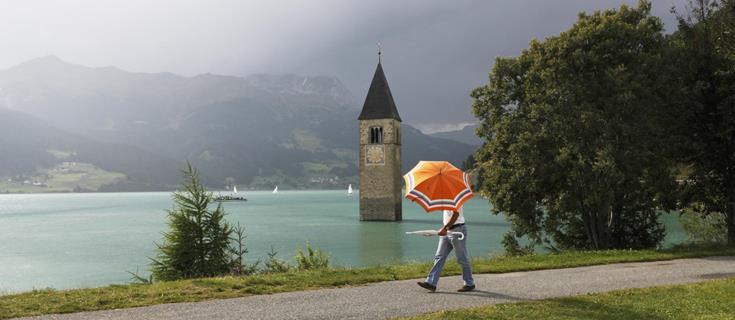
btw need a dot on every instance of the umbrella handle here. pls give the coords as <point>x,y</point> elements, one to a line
<point>461,235</point>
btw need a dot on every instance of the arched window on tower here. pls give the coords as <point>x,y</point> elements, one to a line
<point>376,135</point>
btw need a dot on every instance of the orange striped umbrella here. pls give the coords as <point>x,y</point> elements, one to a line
<point>437,185</point>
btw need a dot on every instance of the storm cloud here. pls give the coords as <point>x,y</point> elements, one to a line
<point>434,52</point>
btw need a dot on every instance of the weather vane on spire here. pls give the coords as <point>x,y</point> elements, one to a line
<point>379,52</point>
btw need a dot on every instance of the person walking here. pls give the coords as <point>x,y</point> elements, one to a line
<point>440,186</point>
<point>454,222</point>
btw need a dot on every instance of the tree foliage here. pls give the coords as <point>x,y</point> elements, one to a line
<point>575,155</point>
<point>703,228</point>
<point>705,43</point>
<point>197,241</point>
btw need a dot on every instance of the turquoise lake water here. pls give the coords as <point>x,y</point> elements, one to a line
<point>86,240</point>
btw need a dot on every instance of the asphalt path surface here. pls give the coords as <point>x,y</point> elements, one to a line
<point>402,298</point>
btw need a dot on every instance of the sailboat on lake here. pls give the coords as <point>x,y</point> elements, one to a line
<point>275,191</point>
<point>349,190</point>
<point>234,189</point>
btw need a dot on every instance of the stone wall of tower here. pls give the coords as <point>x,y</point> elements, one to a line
<point>381,184</point>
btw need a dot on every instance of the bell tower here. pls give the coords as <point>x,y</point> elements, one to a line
<point>380,153</point>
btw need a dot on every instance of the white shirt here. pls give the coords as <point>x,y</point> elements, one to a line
<point>448,215</point>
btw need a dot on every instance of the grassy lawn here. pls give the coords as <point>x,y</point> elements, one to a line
<point>64,178</point>
<point>124,296</point>
<point>704,300</point>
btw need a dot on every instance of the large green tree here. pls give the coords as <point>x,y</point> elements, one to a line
<point>706,45</point>
<point>574,153</point>
<point>197,242</point>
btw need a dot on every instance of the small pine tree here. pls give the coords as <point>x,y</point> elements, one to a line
<point>237,251</point>
<point>275,265</point>
<point>197,242</point>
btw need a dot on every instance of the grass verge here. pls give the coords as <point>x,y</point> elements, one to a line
<point>704,300</point>
<point>39,302</point>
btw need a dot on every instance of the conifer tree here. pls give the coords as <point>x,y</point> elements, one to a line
<point>197,241</point>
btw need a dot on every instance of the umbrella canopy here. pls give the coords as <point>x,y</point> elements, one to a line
<point>438,185</point>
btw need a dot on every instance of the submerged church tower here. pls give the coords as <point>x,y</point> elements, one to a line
<point>380,153</point>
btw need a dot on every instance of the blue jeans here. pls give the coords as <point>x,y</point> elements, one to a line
<point>446,244</point>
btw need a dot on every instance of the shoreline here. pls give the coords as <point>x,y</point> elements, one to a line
<point>162,191</point>
<point>51,301</point>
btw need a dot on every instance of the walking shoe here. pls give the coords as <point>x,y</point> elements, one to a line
<point>427,286</point>
<point>466,288</point>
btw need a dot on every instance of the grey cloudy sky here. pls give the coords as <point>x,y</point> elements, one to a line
<point>435,51</point>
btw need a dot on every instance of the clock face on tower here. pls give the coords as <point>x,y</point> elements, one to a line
<point>375,154</point>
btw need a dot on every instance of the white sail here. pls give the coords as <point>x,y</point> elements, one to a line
<point>275,190</point>
<point>349,190</point>
<point>234,189</point>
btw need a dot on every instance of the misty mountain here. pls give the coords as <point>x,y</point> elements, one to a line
<point>261,130</point>
<point>466,135</point>
<point>28,150</point>
<point>29,143</point>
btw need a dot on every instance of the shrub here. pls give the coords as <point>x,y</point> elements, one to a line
<point>309,259</point>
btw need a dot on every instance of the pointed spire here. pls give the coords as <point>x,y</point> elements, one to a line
<point>379,102</point>
<point>379,52</point>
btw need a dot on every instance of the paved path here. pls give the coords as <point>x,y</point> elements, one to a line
<point>402,298</point>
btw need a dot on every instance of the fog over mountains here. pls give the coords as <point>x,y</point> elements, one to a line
<point>258,131</point>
